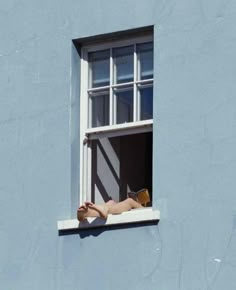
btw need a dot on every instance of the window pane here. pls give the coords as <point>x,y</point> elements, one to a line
<point>123,64</point>
<point>124,106</point>
<point>145,55</point>
<point>146,103</point>
<point>99,67</point>
<point>100,110</point>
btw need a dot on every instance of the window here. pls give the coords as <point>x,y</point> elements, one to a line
<point>116,119</point>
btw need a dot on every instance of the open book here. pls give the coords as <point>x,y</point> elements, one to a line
<point>142,196</point>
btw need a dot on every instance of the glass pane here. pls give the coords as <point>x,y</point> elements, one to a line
<point>99,67</point>
<point>124,106</point>
<point>145,56</point>
<point>123,64</point>
<point>146,103</point>
<point>100,110</point>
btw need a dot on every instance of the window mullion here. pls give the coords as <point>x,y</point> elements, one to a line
<point>135,101</point>
<point>114,107</point>
<point>138,86</point>
<point>111,91</point>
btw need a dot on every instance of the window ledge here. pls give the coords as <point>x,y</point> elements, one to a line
<point>133,216</point>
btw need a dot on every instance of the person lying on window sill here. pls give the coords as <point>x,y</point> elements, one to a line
<point>89,209</point>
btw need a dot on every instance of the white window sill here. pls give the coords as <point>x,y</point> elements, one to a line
<point>132,216</point>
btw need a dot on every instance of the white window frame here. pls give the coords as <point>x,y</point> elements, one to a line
<point>87,133</point>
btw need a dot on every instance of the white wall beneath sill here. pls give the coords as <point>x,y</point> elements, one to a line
<point>132,216</point>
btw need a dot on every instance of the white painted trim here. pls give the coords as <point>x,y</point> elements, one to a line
<point>111,90</point>
<point>135,108</point>
<point>88,192</point>
<point>132,216</point>
<point>120,129</point>
<point>118,86</point>
<point>83,116</point>
<point>116,127</point>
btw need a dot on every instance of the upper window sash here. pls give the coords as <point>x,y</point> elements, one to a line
<point>116,92</point>
<point>115,44</point>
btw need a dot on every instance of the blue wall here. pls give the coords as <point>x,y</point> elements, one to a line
<point>194,244</point>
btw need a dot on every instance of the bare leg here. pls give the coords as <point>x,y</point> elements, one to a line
<point>110,202</point>
<point>122,206</point>
<point>90,209</point>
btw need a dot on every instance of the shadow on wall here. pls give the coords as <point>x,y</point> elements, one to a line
<point>84,233</point>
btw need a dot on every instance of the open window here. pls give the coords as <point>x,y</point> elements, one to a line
<point>116,118</point>
<point>119,165</point>
<point>112,150</point>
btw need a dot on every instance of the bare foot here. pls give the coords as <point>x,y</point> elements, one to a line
<point>91,210</point>
<point>102,209</point>
<point>81,213</point>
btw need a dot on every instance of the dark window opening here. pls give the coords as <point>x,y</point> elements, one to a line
<point>121,164</point>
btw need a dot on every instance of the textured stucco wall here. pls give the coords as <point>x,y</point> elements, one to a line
<point>194,245</point>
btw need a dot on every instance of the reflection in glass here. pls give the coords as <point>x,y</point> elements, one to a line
<point>124,106</point>
<point>124,64</point>
<point>145,56</point>
<point>146,103</point>
<point>99,66</point>
<point>100,110</point>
